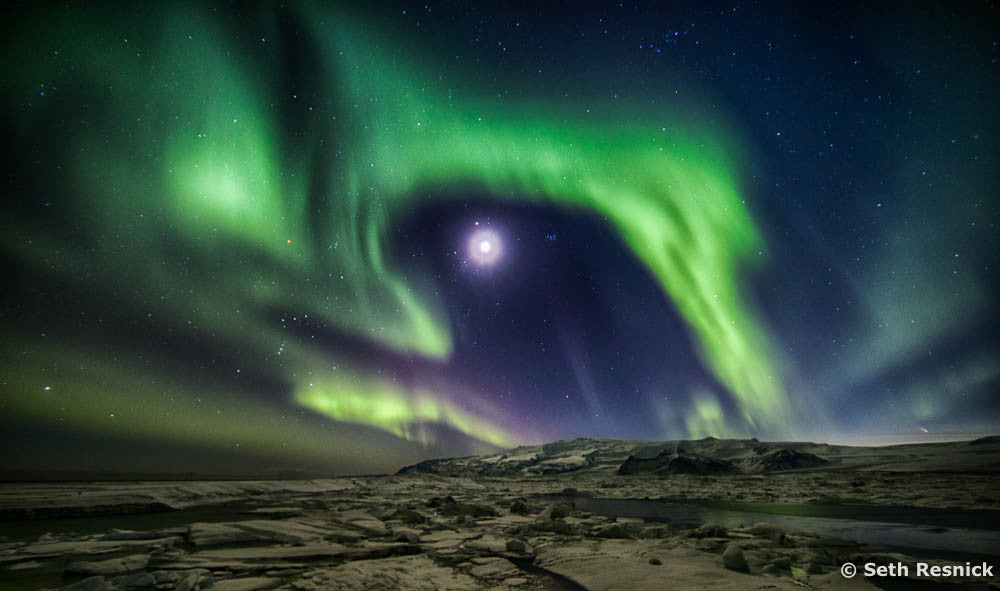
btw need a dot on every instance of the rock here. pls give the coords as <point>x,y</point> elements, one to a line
<point>417,573</point>
<point>454,509</point>
<point>515,581</point>
<point>285,531</point>
<point>558,510</point>
<point>188,583</point>
<point>284,572</point>
<point>771,532</point>
<point>185,581</point>
<point>615,531</point>
<point>446,539</point>
<point>813,568</point>
<point>136,582</point>
<point>90,547</point>
<point>247,584</point>
<point>655,561</point>
<point>344,536</point>
<point>655,531</point>
<point>487,544</point>
<point>210,534</point>
<point>365,522</point>
<point>408,516</point>
<point>733,558</point>
<point>569,491</point>
<point>492,567</point>
<point>407,536</point>
<point>276,553</point>
<point>781,563</point>
<point>435,502</point>
<point>26,565</point>
<point>708,531</point>
<point>820,558</point>
<point>612,565</point>
<point>115,566</point>
<point>557,526</point>
<point>520,507</point>
<point>519,546</point>
<point>90,584</point>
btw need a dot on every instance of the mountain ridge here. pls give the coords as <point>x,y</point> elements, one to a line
<point>714,456</point>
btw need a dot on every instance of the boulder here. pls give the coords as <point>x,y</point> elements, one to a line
<point>408,516</point>
<point>407,536</point>
<point>519,546</point>
<point>733,558</point>
<point>558,510</point>
<point>474,510</point>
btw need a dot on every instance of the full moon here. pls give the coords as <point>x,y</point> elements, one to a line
<point>484,247</point>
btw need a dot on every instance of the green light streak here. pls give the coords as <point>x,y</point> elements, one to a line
<point>387,406</point>
<point>675,203</point>
<point>211,219</point>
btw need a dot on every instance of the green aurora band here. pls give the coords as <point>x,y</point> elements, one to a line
<point>180,163</point>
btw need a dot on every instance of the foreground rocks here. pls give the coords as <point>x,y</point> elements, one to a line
<point>430,532</point>
<point>513,520</point>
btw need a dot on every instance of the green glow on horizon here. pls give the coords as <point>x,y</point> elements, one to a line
<point>707,419</point>
<point>103,395</point>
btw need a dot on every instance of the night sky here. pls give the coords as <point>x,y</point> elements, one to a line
<point>313,239</point>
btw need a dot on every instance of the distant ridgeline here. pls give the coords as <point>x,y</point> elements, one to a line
<point>716,456</point>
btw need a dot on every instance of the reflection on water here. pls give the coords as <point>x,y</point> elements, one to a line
<point>894,527</point>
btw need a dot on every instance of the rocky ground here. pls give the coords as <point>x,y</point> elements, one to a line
<point>422,530</point>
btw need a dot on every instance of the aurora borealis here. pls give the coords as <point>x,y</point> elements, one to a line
<point>243,240</point>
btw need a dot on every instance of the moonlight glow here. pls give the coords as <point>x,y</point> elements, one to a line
<point>484,247</point>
